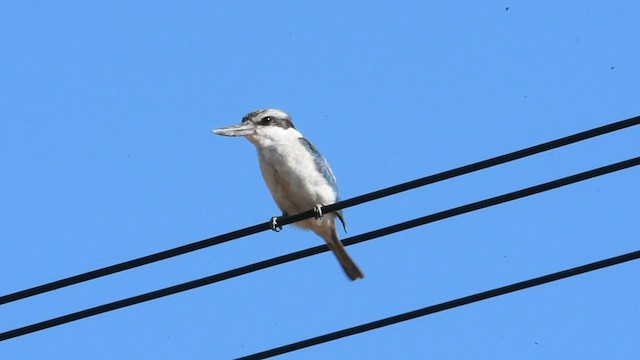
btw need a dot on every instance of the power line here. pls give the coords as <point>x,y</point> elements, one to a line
<point>319,249</point>
<point>445,306</point>
<point>285,220</point>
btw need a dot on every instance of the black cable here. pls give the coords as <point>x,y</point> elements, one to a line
<point>445,306</point>
<point>319,249</point>
<point>285,220</point>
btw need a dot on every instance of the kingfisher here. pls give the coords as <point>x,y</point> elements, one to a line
<point>297,175</point>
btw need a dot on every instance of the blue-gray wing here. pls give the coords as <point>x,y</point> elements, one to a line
<point>321,164</point>
<point>323,167</point>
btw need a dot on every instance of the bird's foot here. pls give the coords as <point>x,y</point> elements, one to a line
<point>318,211</point>
<point>274,224</point>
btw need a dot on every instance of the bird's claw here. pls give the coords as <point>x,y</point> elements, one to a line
<point>318,212</point>
<point>274,224</point>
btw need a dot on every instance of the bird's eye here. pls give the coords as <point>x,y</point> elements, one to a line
<point>266,120</point>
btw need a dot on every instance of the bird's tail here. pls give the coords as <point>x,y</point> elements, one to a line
<point>349,267</point>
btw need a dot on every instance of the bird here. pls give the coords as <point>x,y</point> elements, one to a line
<point>297,175</point>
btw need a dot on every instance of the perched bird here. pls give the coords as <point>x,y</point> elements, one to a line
<point>298,177</point>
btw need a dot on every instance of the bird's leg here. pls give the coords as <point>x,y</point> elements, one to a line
<point>318,211</point>
<point>274,224</point>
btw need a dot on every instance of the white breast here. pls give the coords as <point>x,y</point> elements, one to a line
<point>290,172</point>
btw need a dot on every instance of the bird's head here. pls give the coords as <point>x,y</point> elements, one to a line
<point>262,127</point>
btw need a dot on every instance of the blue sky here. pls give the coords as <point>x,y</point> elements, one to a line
<point>106,109</point>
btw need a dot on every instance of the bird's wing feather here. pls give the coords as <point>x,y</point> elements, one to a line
<point>321,164</point>
<point>323,167</point>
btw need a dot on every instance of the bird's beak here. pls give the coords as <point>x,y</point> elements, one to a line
<point>242,129</point>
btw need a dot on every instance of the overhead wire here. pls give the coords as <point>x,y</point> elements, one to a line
<point>285,220</point>
<point>322,248</point>
<point>448,305</point>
